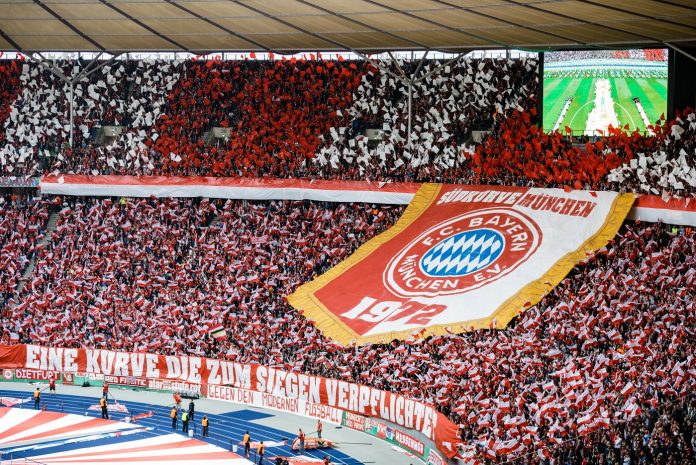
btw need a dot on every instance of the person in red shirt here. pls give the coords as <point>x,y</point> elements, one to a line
<point>302,439</point>
<point>105,390</point>
<point>320,426</point>
<point>52,386</point>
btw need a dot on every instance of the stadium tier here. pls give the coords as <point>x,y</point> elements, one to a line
<point>328,119</point>
<point>601,370</point>
<point>22,224</point>
<point>611,347</point>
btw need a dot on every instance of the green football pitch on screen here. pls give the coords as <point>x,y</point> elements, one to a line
<point>589,91</point>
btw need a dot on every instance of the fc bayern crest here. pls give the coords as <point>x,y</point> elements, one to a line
<point>463,253</point>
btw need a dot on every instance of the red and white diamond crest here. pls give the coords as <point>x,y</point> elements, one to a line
<point>463,253</point>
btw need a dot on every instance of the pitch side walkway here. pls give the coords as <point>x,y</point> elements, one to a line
<point>228,423</point>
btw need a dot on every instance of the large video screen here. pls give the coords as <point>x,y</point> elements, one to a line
<point>586,92</point>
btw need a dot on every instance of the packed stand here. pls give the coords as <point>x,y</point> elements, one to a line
<point>449,104</point>
<point>664,434</point>
<point>666,168</point>
<point>282,113</point>
<point>154,274</point>
<point>310,118</point>
<point>613,343</point>
<point>518,153</point>
<point>614,339</point>
<point>22,225</point>
<point>651,54</point>
<point>277,111</point>
<point>303,100</point>
<point>9,88</point>
<point>36,131</point>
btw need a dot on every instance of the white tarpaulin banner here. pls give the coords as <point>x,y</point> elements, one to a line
<point>650,208</point>
<point>460,257</point>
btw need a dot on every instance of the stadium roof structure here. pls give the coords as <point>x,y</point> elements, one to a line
<point>368,26</point>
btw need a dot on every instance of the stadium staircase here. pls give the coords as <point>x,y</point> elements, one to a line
<point>50,228</point>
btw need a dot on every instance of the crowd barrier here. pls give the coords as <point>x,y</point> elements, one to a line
<point>412,425</point>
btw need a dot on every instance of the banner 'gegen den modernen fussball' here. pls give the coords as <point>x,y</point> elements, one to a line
<point>460,257</point>
<point>217,378</point>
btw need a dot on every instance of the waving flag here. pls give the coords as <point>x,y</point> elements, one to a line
<point>218,332</point>
<point>460,257</point>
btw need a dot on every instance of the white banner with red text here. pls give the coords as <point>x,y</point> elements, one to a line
<point>460,257</point>
<point>245,383</point>
<point>649,208</point>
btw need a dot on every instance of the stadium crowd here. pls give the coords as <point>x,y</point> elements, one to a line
<point>448,104</point>
<point>36,132</point>
<point>613,343</point>
<point>160,265</point>
<point>601,371</point>
<point>520,153</point>
<point>22,224</point>
<point>318,114</point>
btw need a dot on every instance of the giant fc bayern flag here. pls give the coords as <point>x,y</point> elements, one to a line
<point>460,257</point>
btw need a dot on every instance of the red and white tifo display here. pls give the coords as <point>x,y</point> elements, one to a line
<point>460,257</point>
<point>23,427</point>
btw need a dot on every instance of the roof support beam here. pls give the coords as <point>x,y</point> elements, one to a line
<point>687,7</point>
<point>381,67</point>
<point>97,67</point>
<point>362,24</point>
<point>574,19</point>
<point>397,66</point>
<point>420,63</point>
<point>86,68</point>
<point>437,68</point>
<point>217,25</point>
<point>93,66</point>
<point>70,26</point>
<point>51,66</point>
<point>440,25</point>
<point>635,13</point>
<point>145,26</point>
<point>681,50</point>
<point>495,18</point>
<point>410,96</point>
<point>10,40</point>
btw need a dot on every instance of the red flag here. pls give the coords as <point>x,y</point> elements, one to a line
<point>628,389</point>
